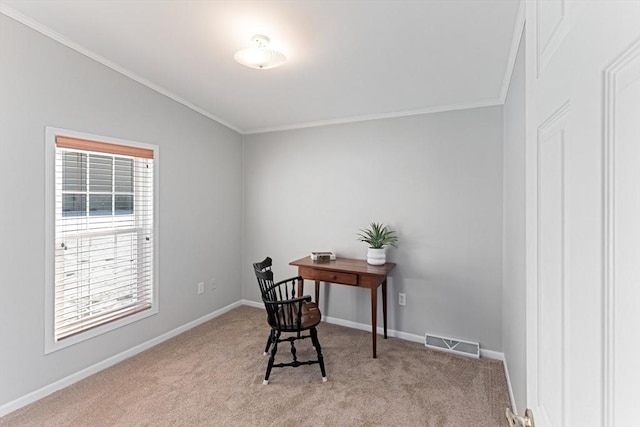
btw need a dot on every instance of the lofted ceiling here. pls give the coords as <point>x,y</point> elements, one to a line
<point>347,60</point>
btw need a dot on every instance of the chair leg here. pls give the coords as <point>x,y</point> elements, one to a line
<point>269,341</point>
<point>274,350</point>
<point>316,344</point>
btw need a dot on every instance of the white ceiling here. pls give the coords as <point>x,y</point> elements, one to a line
<point>347,60</point>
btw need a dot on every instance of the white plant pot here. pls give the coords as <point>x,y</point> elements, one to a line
<point>376,256</point>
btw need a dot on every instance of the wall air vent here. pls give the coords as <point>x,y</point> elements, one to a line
<point>451,345</point>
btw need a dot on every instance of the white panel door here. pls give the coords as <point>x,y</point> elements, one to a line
<point>583,212</point>
<point>622,239</point>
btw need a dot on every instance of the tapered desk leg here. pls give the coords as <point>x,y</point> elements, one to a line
<point>384,307</point>
<point>374,312</point>
<point>301,290</point>
<point>300,287</point>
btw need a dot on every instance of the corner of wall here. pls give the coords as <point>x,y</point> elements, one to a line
<point>513,50</point>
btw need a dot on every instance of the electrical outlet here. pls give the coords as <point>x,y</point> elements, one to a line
<point>402,299</point>
<point>214,284</point>
<point>201,287</point>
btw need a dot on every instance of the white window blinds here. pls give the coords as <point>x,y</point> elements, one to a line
<point>103,233</point>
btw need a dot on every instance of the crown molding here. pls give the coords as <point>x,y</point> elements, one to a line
<point>378,116</point>
<point>90,54</point>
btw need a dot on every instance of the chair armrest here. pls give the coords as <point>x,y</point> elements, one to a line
<point>288,313</point>
<point>290,279</point>
<point>304,298</point>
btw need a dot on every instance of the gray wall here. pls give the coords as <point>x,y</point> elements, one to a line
<point>513,297</point>
<point>436,179</point>
<point>200,165</point>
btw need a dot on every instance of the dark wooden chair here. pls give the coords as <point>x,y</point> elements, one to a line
<point>289,314</point>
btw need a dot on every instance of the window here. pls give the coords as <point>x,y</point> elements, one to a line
<point>104,235</point>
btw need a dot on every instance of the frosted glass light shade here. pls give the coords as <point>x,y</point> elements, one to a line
<point>261,56</point>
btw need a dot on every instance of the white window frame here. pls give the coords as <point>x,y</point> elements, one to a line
<point>50,344</point>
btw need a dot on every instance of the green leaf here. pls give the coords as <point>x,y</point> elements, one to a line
<point>378,236</point>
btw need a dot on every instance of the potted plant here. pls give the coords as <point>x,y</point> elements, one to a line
<point>378,237</point>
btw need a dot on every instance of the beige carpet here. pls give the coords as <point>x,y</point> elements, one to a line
<point>212,375</point>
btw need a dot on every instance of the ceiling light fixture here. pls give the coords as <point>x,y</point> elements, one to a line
<point>261,56</point>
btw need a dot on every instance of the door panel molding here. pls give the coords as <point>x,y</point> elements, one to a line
<point>560,25</point>
<point>621,219</point>
<point>552,290</point>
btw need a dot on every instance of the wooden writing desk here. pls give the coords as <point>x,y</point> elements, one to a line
<point>352,272</point>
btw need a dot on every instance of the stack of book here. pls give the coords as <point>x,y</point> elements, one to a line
<point>323,256</point>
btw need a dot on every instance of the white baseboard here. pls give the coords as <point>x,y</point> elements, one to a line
<point>366,327</point>
<point>506,374</point>
<point>489,354</point>
<point>84,373</point>
<point>252,303</point>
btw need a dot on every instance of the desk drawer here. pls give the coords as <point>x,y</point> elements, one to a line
<point>329,276</point>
